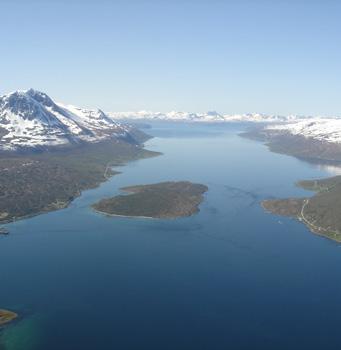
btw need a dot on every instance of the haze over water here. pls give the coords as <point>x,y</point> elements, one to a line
<point>230,277</point>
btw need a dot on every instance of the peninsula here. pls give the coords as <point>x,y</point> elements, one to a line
<point>321,213</point>
<point>162,200</point>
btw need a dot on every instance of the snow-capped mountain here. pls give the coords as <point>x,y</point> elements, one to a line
<point>32,119</point>
<point>320,129</point>
<point>208,117</point>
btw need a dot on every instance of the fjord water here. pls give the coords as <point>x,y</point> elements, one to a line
<point>230,277</point>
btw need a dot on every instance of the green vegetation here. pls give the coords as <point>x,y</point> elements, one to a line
<point>162,200</point>
<point>320,213</point>
<point>33,183</point>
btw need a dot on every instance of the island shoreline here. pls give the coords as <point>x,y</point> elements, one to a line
<point>163,201</point>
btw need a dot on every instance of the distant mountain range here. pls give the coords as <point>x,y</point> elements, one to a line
<point>317,128</point>
<point>211,116</point>
<point>31,119</point>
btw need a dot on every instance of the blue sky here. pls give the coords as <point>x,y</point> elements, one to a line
<point>278,57</point>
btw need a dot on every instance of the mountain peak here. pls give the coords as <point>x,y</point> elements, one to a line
<point>40,97</point>
<point>30,118</point>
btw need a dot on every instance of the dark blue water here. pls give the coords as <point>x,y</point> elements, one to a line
<point>231,277</point>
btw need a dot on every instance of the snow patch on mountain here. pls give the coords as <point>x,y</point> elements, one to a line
<point>322,129</point>
<point>30,118</point>
<point>327,129</point>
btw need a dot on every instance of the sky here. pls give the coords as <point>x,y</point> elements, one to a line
<point>274,57</point>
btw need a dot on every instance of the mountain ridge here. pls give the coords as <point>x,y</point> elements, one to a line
<point>31,119</point>
<point>210,116</point>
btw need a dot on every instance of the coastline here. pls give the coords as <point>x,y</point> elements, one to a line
<point>319,231</point>
<point>124,216</point>
<point>78,193</point>
<point>142,217</point>
<point>163,200</point>
<point>310,151</point>
<point>305,149</point>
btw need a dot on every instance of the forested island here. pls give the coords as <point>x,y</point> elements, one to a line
<point>162,200</point>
